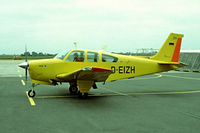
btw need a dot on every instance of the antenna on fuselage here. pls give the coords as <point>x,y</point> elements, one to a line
<point>75,45</point>
<point>103,48</point>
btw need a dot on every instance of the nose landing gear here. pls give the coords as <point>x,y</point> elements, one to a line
<point>31,93</point>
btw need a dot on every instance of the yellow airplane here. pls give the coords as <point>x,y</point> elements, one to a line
<point>83,68</point>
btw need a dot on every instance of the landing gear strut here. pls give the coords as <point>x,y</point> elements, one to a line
<point>31,93</point>
<point>73,89</point>
<point>82,89</point>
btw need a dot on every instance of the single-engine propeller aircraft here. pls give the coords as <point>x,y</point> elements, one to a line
<point>83,68</point>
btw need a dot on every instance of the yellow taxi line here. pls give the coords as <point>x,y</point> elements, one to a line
<point>182,77</point>
<point>164,93</point>
<point>30,99</point>
<point>119,93</point>
<point>43,97</point>
<point>157,76</point>
<point>23,83</point>
<point>125,94</point>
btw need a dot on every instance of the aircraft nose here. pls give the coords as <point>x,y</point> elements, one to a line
<point>24,65</point>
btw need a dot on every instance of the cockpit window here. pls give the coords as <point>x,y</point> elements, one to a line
<point>92,57</point>
<point>109,58</point>
<point>61,55</point>
<point>76,56</point>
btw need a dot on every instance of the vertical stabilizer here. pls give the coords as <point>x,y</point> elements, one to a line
<point>170,51</point>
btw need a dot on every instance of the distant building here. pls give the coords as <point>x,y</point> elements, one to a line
<point>190,51</point>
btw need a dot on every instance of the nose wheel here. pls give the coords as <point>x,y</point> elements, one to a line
<point>31,93</point>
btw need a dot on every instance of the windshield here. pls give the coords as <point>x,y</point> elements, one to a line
<point>61,55</point>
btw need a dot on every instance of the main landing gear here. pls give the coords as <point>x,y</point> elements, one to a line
<point>82,95</point>
<point>73,89</point>
<point>31,93</point>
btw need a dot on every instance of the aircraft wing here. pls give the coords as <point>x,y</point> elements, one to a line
<point>86,73</point>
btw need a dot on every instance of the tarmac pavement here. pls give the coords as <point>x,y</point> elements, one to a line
<point>162,103</point>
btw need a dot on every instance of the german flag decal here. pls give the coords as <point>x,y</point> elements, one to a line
<point>171,43</point>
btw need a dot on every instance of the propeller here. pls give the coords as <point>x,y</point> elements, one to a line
<point>26,60</point>
<point>25,64</point>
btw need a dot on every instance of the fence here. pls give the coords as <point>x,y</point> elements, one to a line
<point>192,60</point>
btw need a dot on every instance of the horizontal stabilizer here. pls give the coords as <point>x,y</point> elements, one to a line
<point>179,64</point>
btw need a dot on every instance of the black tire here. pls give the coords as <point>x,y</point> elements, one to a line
<point>85,95</point>
<point>31,93</point>
<point>79,94</point>
<point>82,95</point>
<point>73,89</point>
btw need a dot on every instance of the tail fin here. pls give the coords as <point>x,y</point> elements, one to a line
<point>170,50</point>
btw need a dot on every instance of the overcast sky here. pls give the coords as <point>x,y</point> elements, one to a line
<point>123,25</point>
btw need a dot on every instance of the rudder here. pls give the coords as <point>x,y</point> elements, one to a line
<point>170,51</point>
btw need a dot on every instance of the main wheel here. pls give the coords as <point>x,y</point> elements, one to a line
<point>31,93</point>
<point>73,89</point>
<point>82,95</point>
<point>85,95</point>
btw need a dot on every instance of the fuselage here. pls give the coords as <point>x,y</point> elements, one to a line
<point>45,71</point>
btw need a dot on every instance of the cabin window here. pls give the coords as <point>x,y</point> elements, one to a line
<point>109,58</point>
<point>76,56</point>
<point>92,57</point>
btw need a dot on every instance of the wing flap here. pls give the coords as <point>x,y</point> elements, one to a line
<point>86,73</point>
